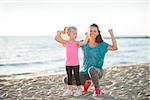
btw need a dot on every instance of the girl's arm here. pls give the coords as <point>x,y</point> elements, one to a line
<point>58,37</point>
<point>112,47</point>
<point>84,42</point>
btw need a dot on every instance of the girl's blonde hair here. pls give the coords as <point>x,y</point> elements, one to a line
<point>68,29</point>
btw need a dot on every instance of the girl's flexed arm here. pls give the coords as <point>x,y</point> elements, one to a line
<point>58,37</point>
<point>85,41</point>
<point>112,47</point>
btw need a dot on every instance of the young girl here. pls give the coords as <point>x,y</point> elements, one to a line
<point>72,61</point>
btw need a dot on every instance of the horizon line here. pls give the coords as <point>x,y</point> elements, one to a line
<point>146,36</point>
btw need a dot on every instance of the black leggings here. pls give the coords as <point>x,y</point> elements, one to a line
<point>75,70</point>
<point>94,74</point>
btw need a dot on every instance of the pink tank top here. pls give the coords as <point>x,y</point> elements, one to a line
<point>71,53</point>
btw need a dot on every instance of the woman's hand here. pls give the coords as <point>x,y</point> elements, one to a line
<point>110,31</point>
<point>113,46</point>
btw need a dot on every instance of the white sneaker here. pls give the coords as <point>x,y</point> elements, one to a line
<point>77,93</point>
<point>67,93</point>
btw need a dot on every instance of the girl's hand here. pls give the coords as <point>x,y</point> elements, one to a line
<point>86,33</point>
<point>61,32</point>
<point>110,31</point>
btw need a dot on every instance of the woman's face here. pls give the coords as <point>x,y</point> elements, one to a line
<point>93,32</point>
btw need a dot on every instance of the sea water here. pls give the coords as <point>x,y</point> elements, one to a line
<point>42,54</point>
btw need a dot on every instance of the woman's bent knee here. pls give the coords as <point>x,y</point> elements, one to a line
<point>91,70</point>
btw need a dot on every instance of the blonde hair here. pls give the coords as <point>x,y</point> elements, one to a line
<point>68,29</point>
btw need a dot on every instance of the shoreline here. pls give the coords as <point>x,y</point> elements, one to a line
<point>43,73</point>
<point>118,83</point>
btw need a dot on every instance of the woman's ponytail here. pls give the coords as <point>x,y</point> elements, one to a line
<point>99,38</point>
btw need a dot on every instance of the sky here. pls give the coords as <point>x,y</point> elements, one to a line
<point>45,17</point>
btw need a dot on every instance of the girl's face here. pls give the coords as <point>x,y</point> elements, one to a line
<point>73,34</point>
<point>93,32</point>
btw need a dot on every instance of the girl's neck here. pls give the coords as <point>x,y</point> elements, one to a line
<point>70,39</point>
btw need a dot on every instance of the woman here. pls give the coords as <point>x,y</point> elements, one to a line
<point>93,57</point>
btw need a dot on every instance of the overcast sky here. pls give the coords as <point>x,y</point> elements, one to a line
<point>45,17</point>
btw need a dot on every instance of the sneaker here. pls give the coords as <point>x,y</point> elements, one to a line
<point>97,92</point>
<point>67,93</point>
<point>77,93</point>
<point>87,85</point>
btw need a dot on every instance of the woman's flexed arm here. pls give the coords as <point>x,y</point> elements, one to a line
<point>113,46</point>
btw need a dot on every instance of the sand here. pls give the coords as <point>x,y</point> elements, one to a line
<point>130,82</point>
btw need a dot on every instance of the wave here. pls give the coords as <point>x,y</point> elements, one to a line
<point>24,63</point>
<point>12,75</point>
<point>30,63</point>
<point>58,60</point>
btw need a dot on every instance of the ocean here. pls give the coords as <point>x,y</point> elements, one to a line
<point>22,55</point>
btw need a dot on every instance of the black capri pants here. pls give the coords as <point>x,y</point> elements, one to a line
<point>75,70</point>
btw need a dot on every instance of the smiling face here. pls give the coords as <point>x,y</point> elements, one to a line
<point>93,32</point>
<point>72,33</point>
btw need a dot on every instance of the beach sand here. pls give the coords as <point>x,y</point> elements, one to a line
<point>129,82</point>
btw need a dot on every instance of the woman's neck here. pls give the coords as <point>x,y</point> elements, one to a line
<point>92,42</point>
